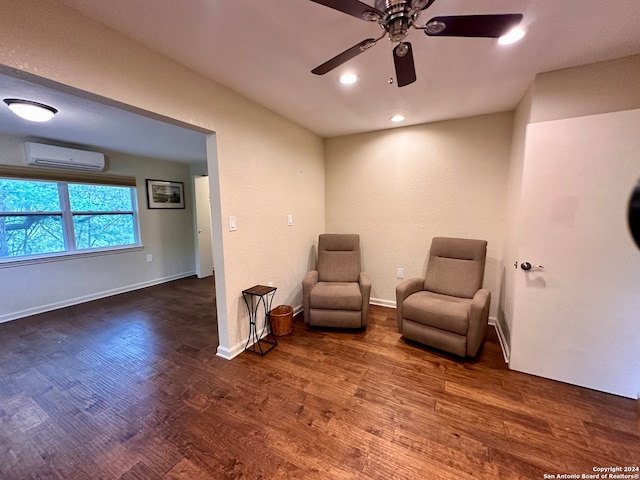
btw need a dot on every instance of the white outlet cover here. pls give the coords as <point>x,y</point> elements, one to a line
<point>232,224</point>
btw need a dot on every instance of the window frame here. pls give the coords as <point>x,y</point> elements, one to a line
<point>67,218</point>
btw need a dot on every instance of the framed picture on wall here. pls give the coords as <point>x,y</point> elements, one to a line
<point>165,194</point>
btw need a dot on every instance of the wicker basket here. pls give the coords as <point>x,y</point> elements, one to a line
<point>281,320</point>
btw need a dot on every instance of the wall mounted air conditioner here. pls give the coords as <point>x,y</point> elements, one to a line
<point>62,157</point>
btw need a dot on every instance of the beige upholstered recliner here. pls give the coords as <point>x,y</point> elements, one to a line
<point>449,309</point>
<point>337,293</point>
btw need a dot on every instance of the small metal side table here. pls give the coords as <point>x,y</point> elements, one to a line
<point>252,298</point>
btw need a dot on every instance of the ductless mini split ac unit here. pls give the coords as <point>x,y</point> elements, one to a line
<point>62,157</point>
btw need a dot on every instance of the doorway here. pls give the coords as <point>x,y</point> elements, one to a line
<point>203,234</point>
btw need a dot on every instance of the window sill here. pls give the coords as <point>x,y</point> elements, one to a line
<point>57,257</point>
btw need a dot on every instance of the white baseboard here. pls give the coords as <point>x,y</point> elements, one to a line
<point>87,298</point>
<point>237,349</point>
<point>382,302</point>
<point>501,338</point>
<point>230,353</point>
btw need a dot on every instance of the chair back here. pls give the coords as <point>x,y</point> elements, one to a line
<point>456,266</point>
<point>339,257</point>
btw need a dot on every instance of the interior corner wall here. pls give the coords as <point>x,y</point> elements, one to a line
<point>514,187</point>
<point>267,166</point>
<point>400,188</point>
<point>166,234</point>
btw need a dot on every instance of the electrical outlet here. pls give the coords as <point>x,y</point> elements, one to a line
<point>290,220</point>
<point>149,258</point>
<point>270,284</point>
<point>400,272</point>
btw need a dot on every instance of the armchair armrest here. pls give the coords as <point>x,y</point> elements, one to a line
<point>403,290</point>
<point>309,280</point>
<point>365,290</point>
<point>478,320</point>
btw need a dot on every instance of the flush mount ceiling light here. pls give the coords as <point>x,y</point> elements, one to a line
<point>512,36</point>
<point>29,110</point>
<point>348,78</point>
<point>398,118</point>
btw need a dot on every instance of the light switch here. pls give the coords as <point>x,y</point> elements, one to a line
<point>232,224</point>
<point>400,272</point>
<point>289,219</point>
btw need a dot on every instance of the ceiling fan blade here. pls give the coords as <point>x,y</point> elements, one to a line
<point>344,56</point>
<point>491,26</point>
<point>355,8</point>
<point>405,67</point>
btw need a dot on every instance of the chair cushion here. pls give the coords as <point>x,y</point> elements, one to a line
<point>438,311</point>
<point>336,296</point>
<point>456,266</point>
<point>339,257</point>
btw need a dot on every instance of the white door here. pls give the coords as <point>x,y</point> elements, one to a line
<point>577,320</point>
<point>204,260</point>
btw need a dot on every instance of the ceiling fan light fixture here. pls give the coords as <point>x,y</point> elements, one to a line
<point>30,110</point>
<point>398,118</point>
<point>398,29</point>
<point>512,36</point>
<point>348,78</point>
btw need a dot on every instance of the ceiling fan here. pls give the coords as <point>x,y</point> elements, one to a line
<point>396,17</point>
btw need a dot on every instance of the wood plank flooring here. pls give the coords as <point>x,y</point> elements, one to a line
<point>130,388</point>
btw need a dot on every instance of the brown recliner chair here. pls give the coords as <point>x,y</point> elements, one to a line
<point>449,309</point>
<point>337,293</point>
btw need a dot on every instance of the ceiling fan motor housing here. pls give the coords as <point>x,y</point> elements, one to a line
<point>397,16</point>
<point>382,5</point>
<point>393,8</point>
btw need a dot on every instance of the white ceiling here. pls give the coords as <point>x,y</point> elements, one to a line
<point>265,50</point>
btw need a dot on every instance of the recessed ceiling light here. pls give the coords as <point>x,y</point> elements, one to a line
<point>398,118</point>
<point>512,36</point>
<point>29,110</point>
<point>348,78</point>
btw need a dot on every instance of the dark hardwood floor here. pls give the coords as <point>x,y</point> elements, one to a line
<point>130,388</point>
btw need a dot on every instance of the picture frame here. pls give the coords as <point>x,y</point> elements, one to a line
<point>165,194</point>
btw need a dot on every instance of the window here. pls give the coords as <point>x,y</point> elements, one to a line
<point>45,218</point>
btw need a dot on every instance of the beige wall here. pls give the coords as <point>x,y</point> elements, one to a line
<point>165,234</point>
<point>603,87</point>
<point>399,188</point>
<point>266,166</point>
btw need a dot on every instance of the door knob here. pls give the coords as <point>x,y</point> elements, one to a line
<point>528,266</point>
